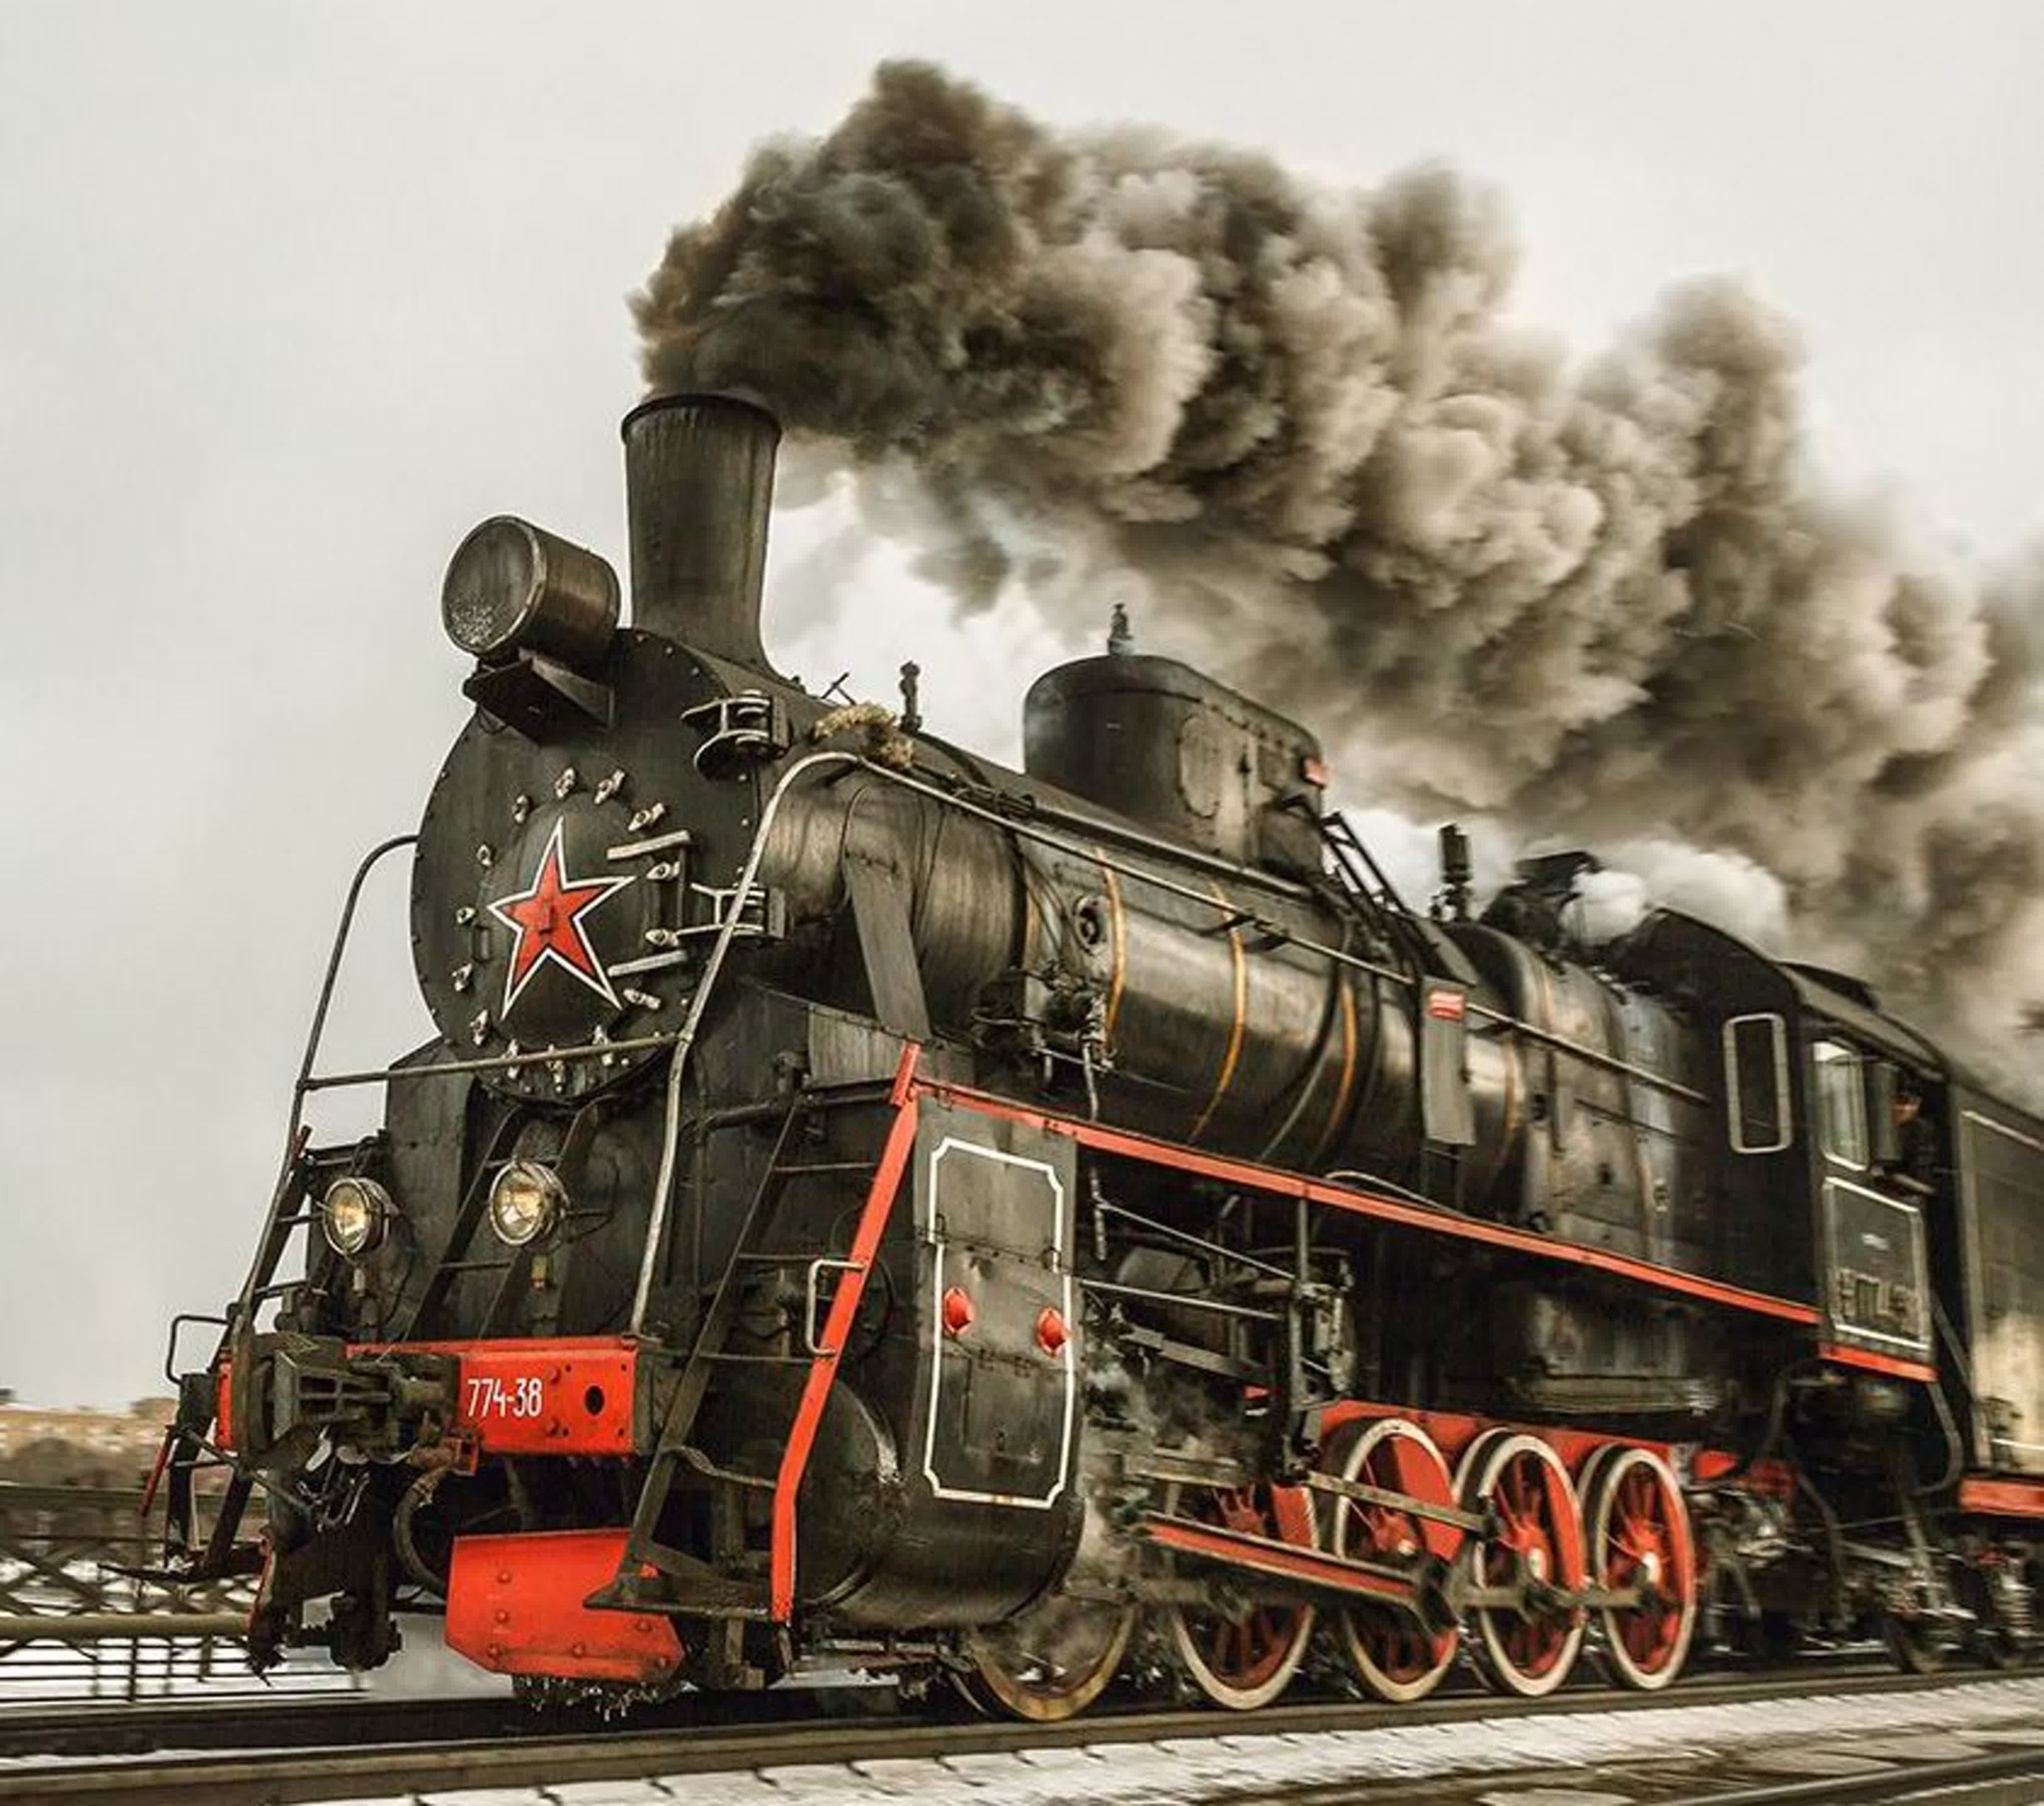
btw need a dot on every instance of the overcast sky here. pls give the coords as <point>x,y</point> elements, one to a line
<point>291,296</point>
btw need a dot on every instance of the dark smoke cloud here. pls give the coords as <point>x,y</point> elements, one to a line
<point>1608,600</point>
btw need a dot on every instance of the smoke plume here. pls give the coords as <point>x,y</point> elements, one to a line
<point>1608,598</point>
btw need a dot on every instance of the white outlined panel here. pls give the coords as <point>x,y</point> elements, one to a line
<point>1910,1227</point>
<point>1066,1358</point>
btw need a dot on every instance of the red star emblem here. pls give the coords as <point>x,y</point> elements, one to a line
<point>548,920</point>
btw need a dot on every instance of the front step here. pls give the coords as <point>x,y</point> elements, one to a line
<point>518,1605</point>
<point>706,1595</point>
<point>673,1584</point>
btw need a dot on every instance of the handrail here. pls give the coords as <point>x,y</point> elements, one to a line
<point>671,1135</point>
<point>294,1137</point>
<point>1338,956</point>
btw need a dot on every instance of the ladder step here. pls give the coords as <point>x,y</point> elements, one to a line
<point>797,1257</point>
<point>747,1599</point>
<point>682,1586</point>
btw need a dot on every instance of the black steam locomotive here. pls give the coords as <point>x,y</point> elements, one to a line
<point>864,1204</point>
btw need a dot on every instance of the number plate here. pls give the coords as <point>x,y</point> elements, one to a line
<point>547,1398</point>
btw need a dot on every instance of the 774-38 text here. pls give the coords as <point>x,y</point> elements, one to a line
<point>489,1396</point>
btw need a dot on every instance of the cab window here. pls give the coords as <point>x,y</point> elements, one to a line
<point>1756,1063</point>
<point>1840,1095</point>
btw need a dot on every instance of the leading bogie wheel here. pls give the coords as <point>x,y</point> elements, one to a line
<point>1526,1649</point>
<point>1639,1536</point>
<point>1050,1662</point>
<point>1393,1655</point>
<point>1242,1652</point>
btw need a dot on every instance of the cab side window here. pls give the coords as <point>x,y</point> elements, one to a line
<point>1756,1077</point>
<point>1840,1088</point>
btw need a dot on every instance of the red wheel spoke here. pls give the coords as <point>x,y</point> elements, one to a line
<point>1242,1658</point>
<point>1526,1646</point>
<point>1394,1656</point>
<point>1641,1531</point>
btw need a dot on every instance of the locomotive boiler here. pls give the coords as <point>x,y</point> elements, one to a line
<point>862,1203</point>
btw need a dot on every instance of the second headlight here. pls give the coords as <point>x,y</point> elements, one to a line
<point>525,1203</point>
<point>353,1215</point>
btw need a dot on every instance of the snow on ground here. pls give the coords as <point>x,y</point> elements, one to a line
<point>1246,1766</point>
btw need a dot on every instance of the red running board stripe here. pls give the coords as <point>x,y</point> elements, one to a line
<point>1877,1363</point>
<point>1434,1220</point>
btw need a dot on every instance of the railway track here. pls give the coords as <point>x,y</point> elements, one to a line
<point>297,1721</point>
<point>363,1749</point>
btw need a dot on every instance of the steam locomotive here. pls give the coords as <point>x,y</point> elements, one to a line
<point>863,1204</point>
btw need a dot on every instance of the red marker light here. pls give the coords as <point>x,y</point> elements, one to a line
<point>1051,1332</point>
<point>958,1312</point>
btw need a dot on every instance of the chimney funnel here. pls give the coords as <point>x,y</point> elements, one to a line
<point>698,484</point>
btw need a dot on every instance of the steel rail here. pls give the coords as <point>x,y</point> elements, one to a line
<point>245,1714</point>
<point>365,1721</point>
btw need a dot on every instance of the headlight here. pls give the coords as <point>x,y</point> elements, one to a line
<point>526,1201</point>
<point>354,1214</point>
<point>511,587</point>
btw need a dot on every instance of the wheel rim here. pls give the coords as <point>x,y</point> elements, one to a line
<point>1053,1661</point>
<point>1540,1532</point>
<point>1244,1661</point>
<point>1393,1655</point>
<point>1639,1535</point>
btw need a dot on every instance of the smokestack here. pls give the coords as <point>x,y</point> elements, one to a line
<point>698,482</point>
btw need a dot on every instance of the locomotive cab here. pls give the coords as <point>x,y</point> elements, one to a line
<point>1810,1201</point>
<point>1875,1196</point>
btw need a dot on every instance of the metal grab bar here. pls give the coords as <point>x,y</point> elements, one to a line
<point>671,1135</point>
<point>267,1249</point>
